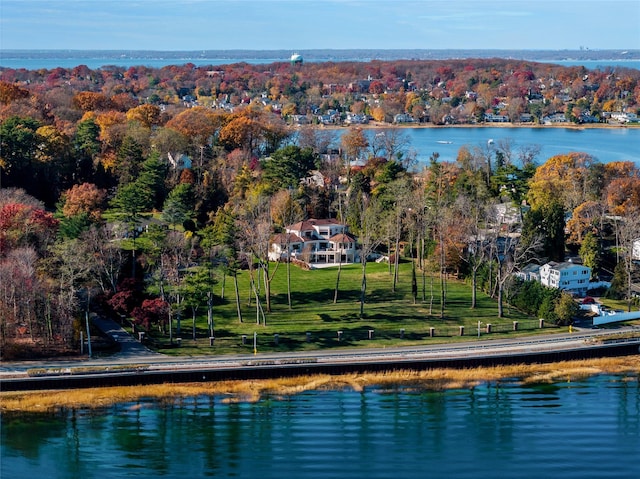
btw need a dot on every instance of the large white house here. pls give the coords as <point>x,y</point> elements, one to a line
<point>316,242</point>
<point>571,277</point>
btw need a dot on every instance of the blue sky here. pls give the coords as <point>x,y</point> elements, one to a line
<point>319,24</point>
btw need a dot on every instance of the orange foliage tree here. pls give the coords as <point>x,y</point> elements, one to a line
<point>10,92</point>
<point>585,218</point>
<point>623,195</point>
<point>198,124</point>
<point>91,101</point>
<point>84,198</point>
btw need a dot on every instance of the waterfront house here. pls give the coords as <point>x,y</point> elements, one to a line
<point>317,242</point>
<point>531,272</point>
<point>571,277</point>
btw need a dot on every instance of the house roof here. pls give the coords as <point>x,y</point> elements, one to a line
<point>343,238</point>
<point>284,238</point>
<point>531,268</point>
<point>310,223</point>
<point>564,265</point>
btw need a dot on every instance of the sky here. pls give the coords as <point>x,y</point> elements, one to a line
<point>194,25</point>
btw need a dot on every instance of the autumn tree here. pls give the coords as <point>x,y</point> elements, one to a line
<point>10,92</point>
<point>198,124</point>
<point>586,218</point>
<point>353,143</point>
<point>84,198</point>
<point>113,129</point>
<point>566,179</point>
<point>151,312</point>
<point>623,194</point>
<point>148,115</point>
<point>23,225</point>
<point>91,101</point>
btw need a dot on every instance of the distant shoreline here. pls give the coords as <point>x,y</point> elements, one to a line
<point>573,126</point>
<point>38,59</point>
<point>379,54</point>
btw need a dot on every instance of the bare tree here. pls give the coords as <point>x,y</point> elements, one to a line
<point>473,215</point>
<point>369,237</point>
<point>286,212</point>
<point>506,148</point>
<point>510,255</point>
<point>174,259</point>
<point>256,231</point>
<point>528,154</point>
<point>390,143</point>
<point>318,140</point>
<point>628,234</point>
<point>105,257</point>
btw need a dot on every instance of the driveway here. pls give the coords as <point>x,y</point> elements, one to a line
<point>129,346</point>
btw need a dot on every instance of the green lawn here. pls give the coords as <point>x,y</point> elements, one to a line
<point>314,312</point>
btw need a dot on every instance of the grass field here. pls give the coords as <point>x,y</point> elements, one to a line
<point>312,323</point>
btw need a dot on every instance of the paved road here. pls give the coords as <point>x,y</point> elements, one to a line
<point>134,353</point>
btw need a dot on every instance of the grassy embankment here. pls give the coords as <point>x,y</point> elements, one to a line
<point>435,379</point>
<point>313,311</point>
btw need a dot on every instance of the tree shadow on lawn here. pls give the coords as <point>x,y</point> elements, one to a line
<point>321,297</point>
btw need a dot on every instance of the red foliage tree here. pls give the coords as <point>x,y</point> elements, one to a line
<point>24,225</point>
<point>151,312</point>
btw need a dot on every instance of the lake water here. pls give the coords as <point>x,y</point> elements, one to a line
<point>584,429</point>
<point>604,144</point>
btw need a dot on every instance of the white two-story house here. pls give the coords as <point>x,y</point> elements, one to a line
<point>316,242</point>
<point>570,277</point>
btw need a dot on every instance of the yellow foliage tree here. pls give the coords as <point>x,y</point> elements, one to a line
<point>148,115</point>
<point>563,178</point>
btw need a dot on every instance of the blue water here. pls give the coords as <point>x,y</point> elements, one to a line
<point>38,61</point>
<point>574,429</point>
<point>604,144</point>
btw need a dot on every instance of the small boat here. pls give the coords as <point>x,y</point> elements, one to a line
<point>490,142</point>
<point>444,142</point>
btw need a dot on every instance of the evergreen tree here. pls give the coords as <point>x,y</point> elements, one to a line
<point>546,223</point>
<point>153,171</point>
<point>590,253</point>
<point>129,160</point>
<point>287,166</point>
<point>178,207</point>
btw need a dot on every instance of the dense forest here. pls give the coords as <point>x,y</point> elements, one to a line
<point>125,189</point>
